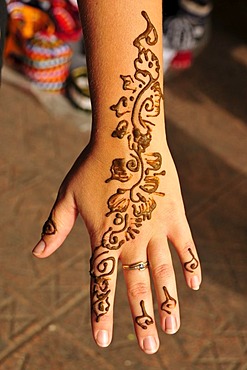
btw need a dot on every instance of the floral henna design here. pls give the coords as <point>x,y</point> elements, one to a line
<point>49,227</point>
<point>118,171</point>
<point>121,129</point>
<point>169,304</point>
<point>144,319</point>
<point>192,264</point>
<point>139,173</point>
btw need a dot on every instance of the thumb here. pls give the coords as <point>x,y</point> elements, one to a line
<point>59,224</point>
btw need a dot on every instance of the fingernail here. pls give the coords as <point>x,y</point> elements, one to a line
<point>39,247</point>
<point>170,325</point>
<point>194,282</point>
<point>150,345</point>
<point>102,338</point>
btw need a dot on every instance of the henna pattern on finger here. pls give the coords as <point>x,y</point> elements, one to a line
<point>169,304</point>
<point>192,264</point>
<point>49,227</point>
<point>144,319</point>
<point>138,174</point>
<point>102,267</point>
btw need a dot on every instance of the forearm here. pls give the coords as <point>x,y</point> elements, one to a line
<point>110,29</point>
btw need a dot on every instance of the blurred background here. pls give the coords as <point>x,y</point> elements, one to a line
<point>45,122</point>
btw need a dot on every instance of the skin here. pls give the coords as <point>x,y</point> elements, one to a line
<point>90,187</point>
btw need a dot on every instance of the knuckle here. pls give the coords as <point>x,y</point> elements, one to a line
<point>175,210</point>
<point>163,271</point>
<point>138,289</point>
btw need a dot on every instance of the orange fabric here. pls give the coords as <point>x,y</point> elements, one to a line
<point>24,22</point>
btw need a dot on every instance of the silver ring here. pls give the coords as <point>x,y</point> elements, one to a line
<point>141,266</point>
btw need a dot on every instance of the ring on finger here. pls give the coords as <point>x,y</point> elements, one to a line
<point>141,266</point>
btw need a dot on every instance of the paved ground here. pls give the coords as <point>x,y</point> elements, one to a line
<point>44,307</point>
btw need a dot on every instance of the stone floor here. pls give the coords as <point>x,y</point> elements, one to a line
<point>44,305</point>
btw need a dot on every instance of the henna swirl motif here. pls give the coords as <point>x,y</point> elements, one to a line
<point>100,270</point>
<point>144,319</point>
<point>169,304</point>
<point>49,227</point>
<point>192,264</point>
<point>133,202</point>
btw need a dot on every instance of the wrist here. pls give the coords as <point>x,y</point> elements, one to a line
<point>118,137</point>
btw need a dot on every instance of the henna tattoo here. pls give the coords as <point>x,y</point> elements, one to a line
<point>169,304</point>
<point>118,171</point>
<point>100,273</point>
<point>128,83</point>
<point>144,319</point>
<point>119,108</point>
<point>49,227</point>
<point>118,202</point>
<point>192,264</point>
<point>121,129</point>
<point>133,164</point>
<point>139,172</point>
<point>154,160</point>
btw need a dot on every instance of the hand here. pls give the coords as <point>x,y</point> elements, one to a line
<point>125,187</point>
<point>144,237</point>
